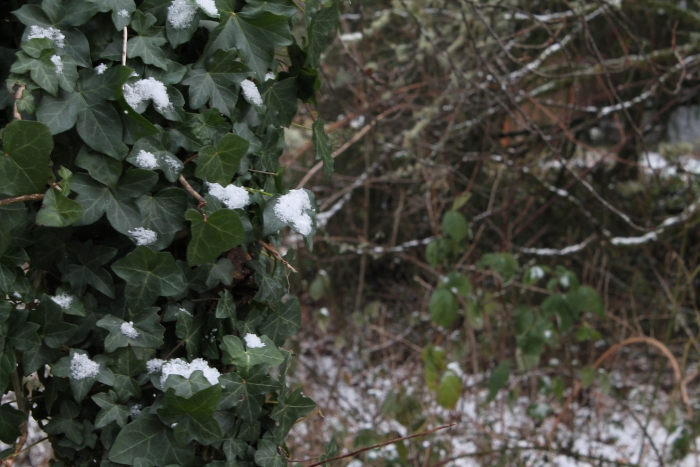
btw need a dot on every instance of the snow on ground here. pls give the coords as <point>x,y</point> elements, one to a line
<point>600,430</point>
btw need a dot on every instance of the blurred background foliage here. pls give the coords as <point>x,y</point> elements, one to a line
<point>512,228</point>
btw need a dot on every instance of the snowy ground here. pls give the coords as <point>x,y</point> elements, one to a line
<point>638,429</point>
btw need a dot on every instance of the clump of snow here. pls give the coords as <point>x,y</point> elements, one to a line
<point>564,281</point>
<point>269,76</point>
<point>536,273</point>
<point>234,197</point>
<point>253,342</point>
<point>351,37</point>
<point>123,14</point>
<point>180,367</point>
<point>49,33</point>
<point>290,209</point>
<point>135,411</point>
<point>82,367</point>
<point>455,368</point>
<point>154,364</point>
<point>146,89</point>
<point>129,330</point>
<point>58,63</point>
<point>172,162</point>
<point>143,236</point>
<point>324,311</point>
<point>357,123</point>
<point>454,290</point>
<point>101,68</point>
<point>182,310</point>
<point>547,333</point>
<point>250,92</point>
<point>209,7</point>
<point>181,13</point>
<point>63,300</point>
<point>146,160</point>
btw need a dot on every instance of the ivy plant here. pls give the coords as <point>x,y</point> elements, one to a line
<point>145,305</point>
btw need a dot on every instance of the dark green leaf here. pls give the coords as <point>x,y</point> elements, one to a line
<point>212,236</point>
<point>283,322</point>
<point>236,354</point>
<point>10,421</point>
<point>498,379</point>
<point>57,210</point>
<point>324,22</point>
<point>110,411</point>
<point>24,169</point>
<point>443,307</point>
<point>267,455</point>
<point>449,391</point>
<point>322,146</point>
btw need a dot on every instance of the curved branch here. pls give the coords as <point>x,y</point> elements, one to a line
<point>19,199</point>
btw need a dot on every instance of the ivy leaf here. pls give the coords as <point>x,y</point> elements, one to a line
<point>255,35</point>
<point>289,409</point>
<point>267,455</point>
<point>190,330</point>
<point>90,270</point>
<point>147,44</point>
<point>218,83</point>
<point>283,322</point>
<point>149,333</point>
<point>186,387</point>
<point>220,164</point>
<point>271,286</point>
<point>157,145</point>
<point>236,354</point>
<point>116,6</point>
<point>194,415</point>
<point>180,36</point>
<point>24,169</point>
<point>110,411</point>
<point>104,169</point>
<point>455,225</point>
<point>148,275</point>
<point>48,315</point>
<point>281,102</point>
<point>10,421</point>
<point>149,439</point>
<point>202,129</point>
<point>21,334</point>
<point>277,7</point>
<point>81,387</point>
<point>220,232</point>
<point>322,146</point>
<point>57,210</point>
<point>163,213</point>
<point>324,22</point>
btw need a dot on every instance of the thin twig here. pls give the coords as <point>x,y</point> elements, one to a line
<point>611,351</point>
<point>190,190</point>
<point>396,440</point>
<point>19,199</point>
<point>345,146</point>
<point>276,254</point>
<point>18,95</point>
<point>124,47</point>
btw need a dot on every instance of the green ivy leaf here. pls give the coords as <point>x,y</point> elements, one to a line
<point>283,322</point>
<point>90,270</point>
<point>48,315</point>
<point>255,35</point>
<point>218,83</point>
<point>194,415</point>
<point>504,264</point>
<point>57,210</point>
<point>236,354</point>
<point>455,225</point>
<point>289,409</point>
<point>148,333</point>
<point>151,440</point>
<point>267,455</point>
<point>220,164</point>
<point>10,421</point>
<point>324,22</point>
<point>280,99</point>
<point>148,42</point>
<point>111,410</point>
<point>220,232</point>
<point>157,145</point>
<point>322,146</point>
<point>148,275</point>
<point>24,169</point>
<point>277,7</point>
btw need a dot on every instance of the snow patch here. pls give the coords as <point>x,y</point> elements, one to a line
<point>82,367</point>
<point>135,411</point>
<point>290,209</point>
<point>269,76</point>
<point>123,14</point>
<point>143,236</point>
<point>129,330</point>
<point>146,160</point>
<point>154,364</point>
<point>180,367</point>
<point>181,13</point>
<point>351,37</point>
<point>253,342</point>
<point>58,63</point>
<point>536,273</point>
<point>250,92</point>
<point>357,123</point>
<point>234,197</point>
<point>101,68</point>
<point>63,300</point>
<point>49,33</point>
<point>146,89</point>
<point>209,7</point>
